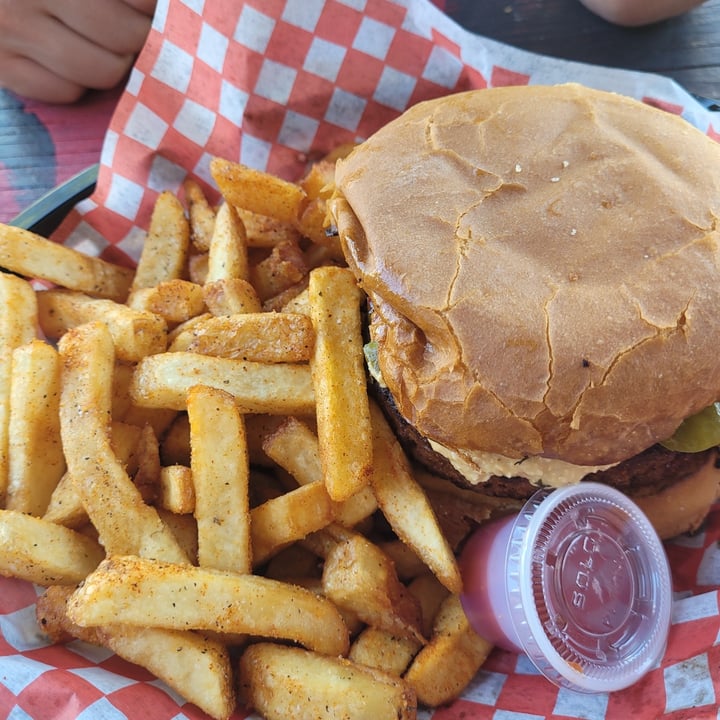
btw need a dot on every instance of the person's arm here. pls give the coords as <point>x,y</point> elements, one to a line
<point>54,50</point>
<point>639,12</point>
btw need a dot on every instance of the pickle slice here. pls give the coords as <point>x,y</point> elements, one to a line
<point>697,432</point>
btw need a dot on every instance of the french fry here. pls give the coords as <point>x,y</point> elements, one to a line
<point>145,471</point>
<point>42,552</point>
<point>282,270</point>
<point>406,506</point>
<point>279,301</point>
<point>381,650</point>
<point>201,215</point>
<point>18,321</point>
<point>313,224</point>
<point>135,333</point>
<point>220,471</point>
<point>289,517</point>
<point>165,251</point>
<point>51,613</point>
<point>225,465</point>
<point>125,411</point>
<point>338,372</point>
<point>294,447</point>
<point>407,562</point>
<point>36,457</point>
<point>263,231</point>
<point>284,682</point>
<point>230,296</point>
<point>175,301</point>
<point>431,594</point>
<point>319,180</point>
<point>259,337</point>
<point>124,522</point>
<point>359,576</point>
<point>175,442</point>
<point>227,255</point>
<point>25,253</point>
<point>299,303</point>
<point>65,506</point>
<point>258,191</point>
<point>292,563</point>
<point>450,660</point>
<point>184,528</point>
<point>177,491</point>
<point>141,592</point>
<point>163,381</point>
<point>197,267</point>
<point>194,666</point>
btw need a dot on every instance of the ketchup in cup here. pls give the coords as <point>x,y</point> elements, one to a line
<point>579,581</point>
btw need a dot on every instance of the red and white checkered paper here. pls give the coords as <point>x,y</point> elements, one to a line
<point>273,83</point>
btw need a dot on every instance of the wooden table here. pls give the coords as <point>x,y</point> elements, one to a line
<point>42,145</point>
<point>686,48</point>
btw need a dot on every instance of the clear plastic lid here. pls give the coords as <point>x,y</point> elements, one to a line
<point>589,587</point>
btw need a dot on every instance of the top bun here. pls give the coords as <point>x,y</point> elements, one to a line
<point>544,268</point>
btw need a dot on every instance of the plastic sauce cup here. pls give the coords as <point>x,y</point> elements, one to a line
<point>579,581</point>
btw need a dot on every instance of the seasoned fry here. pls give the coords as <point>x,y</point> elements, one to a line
<point>177,491</point>
<point>227,255</point>
<point>142,592</point>
<point>294,447</point>
<point>163,381</point>
<point>194,666</point>
<point>230,296</point>
<point>135,333</point>
<point>260,337</point>
<point>431,594</point>
<point>450,660</point>
<point>41,552</point>
<point>266,232</point>
<point>289,517</point>
<point>198,472</point>
<point>175,301</point>
<point>221,472</point>
<point>146,465</point>
<point>65,506</point>
<point>359,576</point>
<point>284,682</point>
<point>201,215</point>
<point>260,192</point>
<point>25,253</point>
<point>36,457</point>
<point>343,413</point>
<point>406,506</point>
<point>284,269</point>
<point>381,650</point>
<point>299,303</point>
<point>18,321</point>
<point>124,522</point>
<point>164,253</point>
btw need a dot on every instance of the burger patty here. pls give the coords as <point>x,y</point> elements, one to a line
<point>644,474</point>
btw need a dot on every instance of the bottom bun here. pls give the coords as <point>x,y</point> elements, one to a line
<point>681,507</point>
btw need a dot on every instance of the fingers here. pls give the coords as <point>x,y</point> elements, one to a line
<point>28,79</point>
<point>113,25</point>
<point>147,7</point>
<point>52,50</point>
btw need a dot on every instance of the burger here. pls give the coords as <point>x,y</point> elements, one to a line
<point>542,268</point>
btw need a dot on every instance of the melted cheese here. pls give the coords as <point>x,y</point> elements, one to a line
<point>478,467</point>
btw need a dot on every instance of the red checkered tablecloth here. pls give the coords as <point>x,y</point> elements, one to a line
<point>273,83</point>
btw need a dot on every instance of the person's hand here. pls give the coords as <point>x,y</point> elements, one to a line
<point>639,12</point>
<point>54,50</point>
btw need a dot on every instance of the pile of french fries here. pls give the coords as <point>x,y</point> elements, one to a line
<point>193,469</point>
